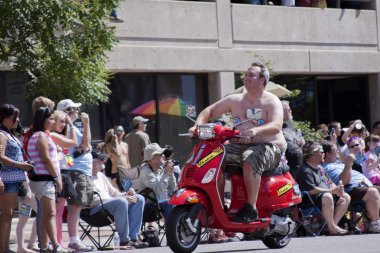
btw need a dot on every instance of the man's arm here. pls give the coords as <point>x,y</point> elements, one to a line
<point>212,111</point>
<point>86,141</point>
<point>346,174</point>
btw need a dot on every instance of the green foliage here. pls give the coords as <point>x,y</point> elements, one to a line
<point>61,44</point>
<point>309,133</point>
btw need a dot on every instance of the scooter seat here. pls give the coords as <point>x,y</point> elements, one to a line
<point>235,169</point>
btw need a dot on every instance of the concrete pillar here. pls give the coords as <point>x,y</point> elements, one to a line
<point>220,84</point>
<point>224,19</point>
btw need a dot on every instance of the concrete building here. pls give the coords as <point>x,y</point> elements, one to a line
<point>195,50</point>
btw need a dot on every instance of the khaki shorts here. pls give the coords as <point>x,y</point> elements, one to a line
<point>262,157</point>
<point>43,189</point>
<point>84,187</point>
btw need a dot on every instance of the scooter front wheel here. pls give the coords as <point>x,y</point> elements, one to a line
<point>277,242</point>
<point>182,238</point>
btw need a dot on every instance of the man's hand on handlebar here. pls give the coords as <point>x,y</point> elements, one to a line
<point>192,130</point>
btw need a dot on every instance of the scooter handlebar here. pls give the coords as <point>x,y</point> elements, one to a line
<point>186,134</point>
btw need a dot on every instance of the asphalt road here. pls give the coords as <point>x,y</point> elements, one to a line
<point>324,244</point>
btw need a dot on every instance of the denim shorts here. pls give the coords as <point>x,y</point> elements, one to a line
<point>11,187</point>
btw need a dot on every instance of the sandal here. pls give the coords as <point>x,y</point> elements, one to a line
<point>338,233</point>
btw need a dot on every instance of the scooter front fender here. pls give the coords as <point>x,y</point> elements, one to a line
<point>186,196</point>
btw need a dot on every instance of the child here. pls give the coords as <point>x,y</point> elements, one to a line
<point>371,165</point>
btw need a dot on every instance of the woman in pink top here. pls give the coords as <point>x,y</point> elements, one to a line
<point>43,151</point>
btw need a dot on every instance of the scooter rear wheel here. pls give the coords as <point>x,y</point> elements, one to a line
<point>179,236</point>
<point>277,242</point>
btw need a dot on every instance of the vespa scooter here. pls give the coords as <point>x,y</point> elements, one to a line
<point>199,203</point>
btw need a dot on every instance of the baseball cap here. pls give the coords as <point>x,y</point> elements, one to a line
<point>66,103</point>
<point>136,120</point>
<point>97,154</point>
<point>152,150</point>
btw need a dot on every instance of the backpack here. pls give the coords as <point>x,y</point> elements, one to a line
<point>151,236</point>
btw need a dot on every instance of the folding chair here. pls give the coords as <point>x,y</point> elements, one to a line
<point>310,220</point>
<point>98,220</point>
<point>152,214</point>
<point>356,218</point>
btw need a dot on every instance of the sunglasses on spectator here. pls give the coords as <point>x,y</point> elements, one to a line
<point>355,145</point>
<point>70,109</point>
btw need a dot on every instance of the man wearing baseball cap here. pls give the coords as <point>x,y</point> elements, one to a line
<point>137,140</point>
<point>80,172</point>
<point>157,175</point>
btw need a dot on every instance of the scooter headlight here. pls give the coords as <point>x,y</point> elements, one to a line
<point>209,176</point>
<point>206,131</point>
<point>296,189</point>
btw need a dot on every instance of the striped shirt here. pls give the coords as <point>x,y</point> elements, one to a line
<point>41,168</point>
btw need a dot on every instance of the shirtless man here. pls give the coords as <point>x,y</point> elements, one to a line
<point>118,153</point>
<point>263,142</point>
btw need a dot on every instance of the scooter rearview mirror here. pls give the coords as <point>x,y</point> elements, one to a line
<point>190,112</point>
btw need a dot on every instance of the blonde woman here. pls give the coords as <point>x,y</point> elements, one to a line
<point>58,135</point>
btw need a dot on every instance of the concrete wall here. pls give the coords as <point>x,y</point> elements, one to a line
<point>185,36</point>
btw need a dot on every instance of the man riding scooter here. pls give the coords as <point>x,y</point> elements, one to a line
<point>262,142</point>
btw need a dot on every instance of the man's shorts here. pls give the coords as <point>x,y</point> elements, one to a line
<point>261,157</point>
<point>84,187</point>
<point>357,193</point>
<point>43,189</point>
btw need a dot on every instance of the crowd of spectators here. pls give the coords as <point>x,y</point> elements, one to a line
<point>56,166</point>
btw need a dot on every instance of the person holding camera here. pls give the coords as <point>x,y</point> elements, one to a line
<point>158,176</point>
<point>80,171</point>
<point>12,172</point>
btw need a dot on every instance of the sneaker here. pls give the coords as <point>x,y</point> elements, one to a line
<point>58,249</point>
<point>374,228</point>
<point>246,214</point>
<point>79,246</point>
<point>138,244</point>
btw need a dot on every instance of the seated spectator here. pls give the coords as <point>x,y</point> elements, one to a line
<point>354,146</point>
<point>355,129</point>
<point>335,131</point>
<point>371,164</point>
<point>294,140</point>
<point>323,130</point>
<point>331,198</point>
<point>126,208</point>
<point>376,128</point>
<point>356,184</point>
<point>157,175</point>
<point>168,156</point>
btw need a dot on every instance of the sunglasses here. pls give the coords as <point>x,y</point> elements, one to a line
<point>355,145</point>
<point>70,109</point>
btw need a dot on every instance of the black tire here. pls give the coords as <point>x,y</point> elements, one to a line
<point>277,242</point>
<point>179,237</point>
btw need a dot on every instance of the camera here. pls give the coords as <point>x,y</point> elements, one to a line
<point>77,154</point>
<point>31,163</point>
<point>175,162</point>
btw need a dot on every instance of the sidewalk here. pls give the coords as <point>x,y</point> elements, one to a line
<point>104,234</point>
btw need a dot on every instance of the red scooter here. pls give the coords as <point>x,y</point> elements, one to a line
<point>200,205</point>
